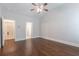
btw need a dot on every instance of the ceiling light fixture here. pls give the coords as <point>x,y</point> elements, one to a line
<point>39,7</point>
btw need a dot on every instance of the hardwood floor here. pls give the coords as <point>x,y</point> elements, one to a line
<point>37,47</point>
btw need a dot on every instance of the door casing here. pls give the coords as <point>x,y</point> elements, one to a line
<point>11,29</point>
<point>28,30</point>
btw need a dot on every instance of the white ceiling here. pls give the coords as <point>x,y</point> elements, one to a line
<point>24,8</point>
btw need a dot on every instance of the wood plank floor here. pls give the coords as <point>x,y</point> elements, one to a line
<point>37,47</point>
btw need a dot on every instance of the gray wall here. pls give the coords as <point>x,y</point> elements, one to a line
<point>20,20</point>
<point>0,26</point>
<point>62,23</point>
<point>0,32</point>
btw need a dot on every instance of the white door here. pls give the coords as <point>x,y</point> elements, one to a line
<point>8,29</point>
<point>28,30</point>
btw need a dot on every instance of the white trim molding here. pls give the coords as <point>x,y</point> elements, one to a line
<point>19,39</point>
<point>62,41</point>
<point>36,37</point>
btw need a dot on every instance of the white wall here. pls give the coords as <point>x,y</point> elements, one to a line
<point>62,24</point>
<point>21,22</point>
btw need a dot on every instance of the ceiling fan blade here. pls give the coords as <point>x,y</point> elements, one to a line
<point>46,9</point>
<point>45,4</point>
<point>34,4</point>
<point>32,9</point>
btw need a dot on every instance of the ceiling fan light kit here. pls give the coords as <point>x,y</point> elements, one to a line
<point>39,7</point>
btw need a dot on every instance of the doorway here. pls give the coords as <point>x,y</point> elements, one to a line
<point>8,33</point>
<point>28,30</point>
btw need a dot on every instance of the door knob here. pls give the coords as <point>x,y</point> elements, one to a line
<point>7,33</point>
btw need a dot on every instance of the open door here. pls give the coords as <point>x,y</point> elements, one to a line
<point>28,30</point>
<point>8,31</point>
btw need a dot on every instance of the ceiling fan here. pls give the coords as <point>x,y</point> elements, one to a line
<point>39,7</point>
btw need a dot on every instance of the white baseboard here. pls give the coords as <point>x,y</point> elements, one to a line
<point>36,37</point>
<point>62,41</point>
<point>19,39</point>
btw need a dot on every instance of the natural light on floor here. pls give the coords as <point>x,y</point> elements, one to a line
<point>29,35</point>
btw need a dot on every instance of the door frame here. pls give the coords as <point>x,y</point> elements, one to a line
<point>2,40</point>
<point>27,24</point>
<point>1,32</point>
